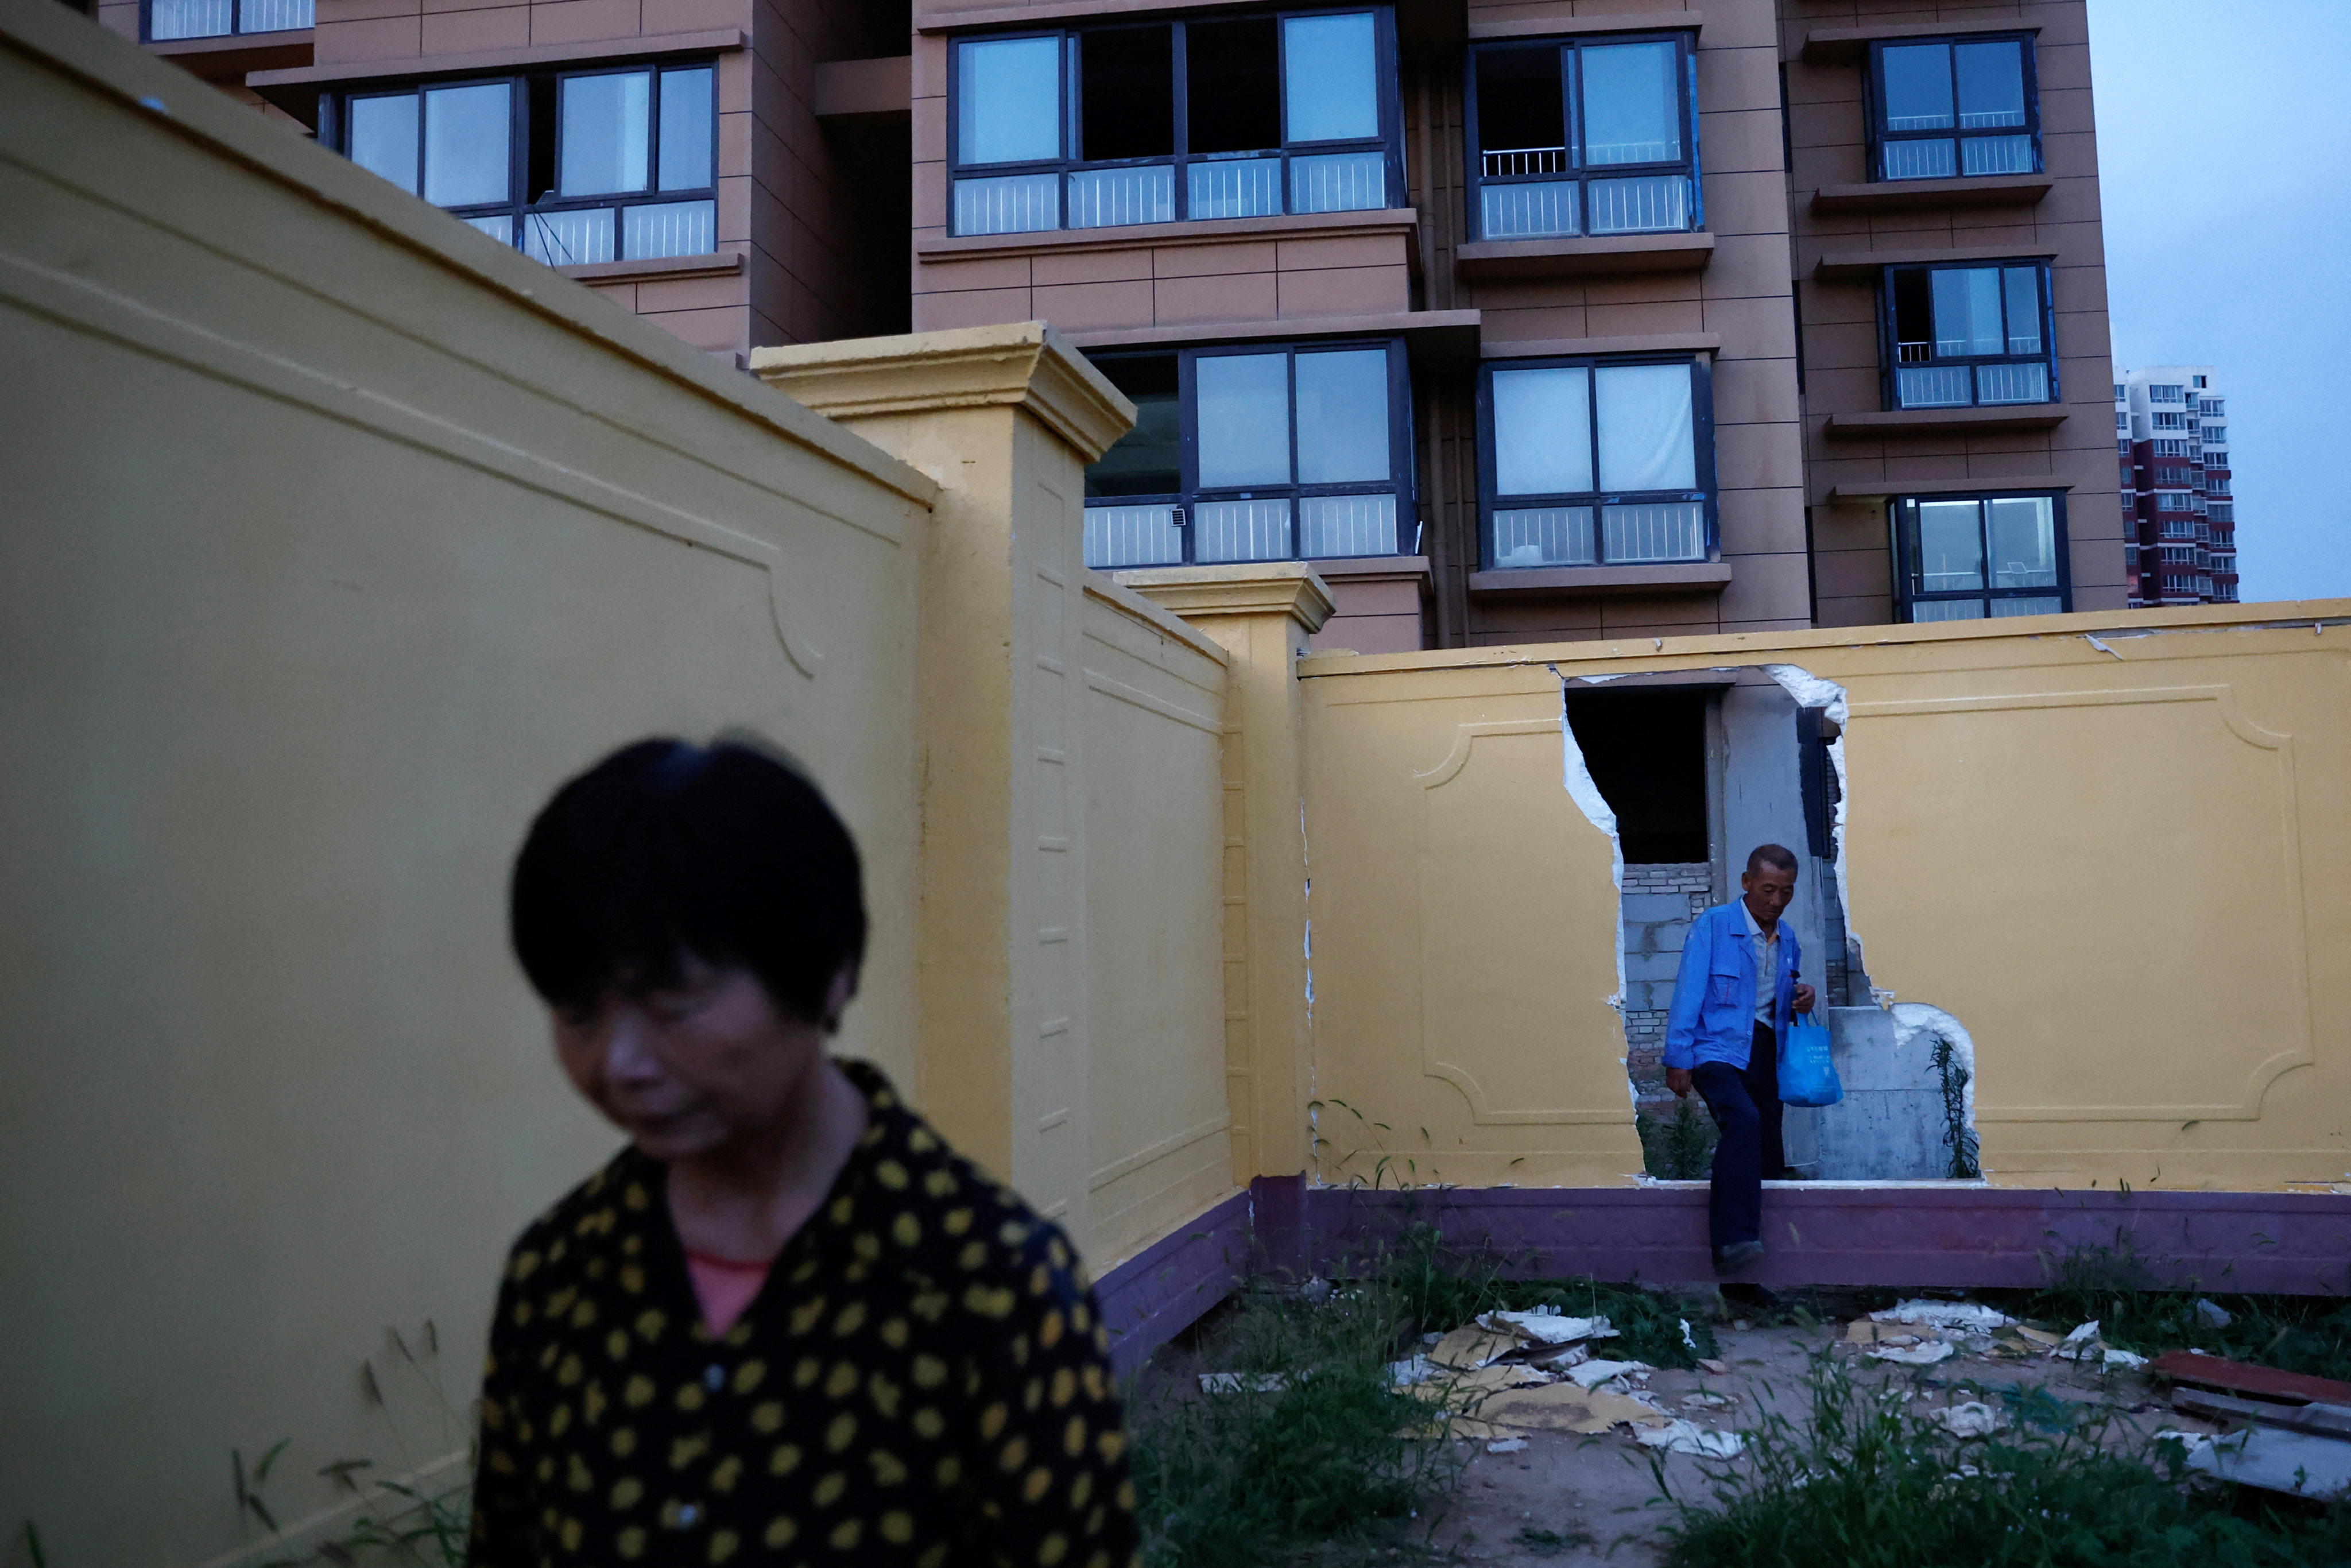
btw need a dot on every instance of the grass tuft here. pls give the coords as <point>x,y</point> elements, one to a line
<point>1326,1456</point>
<point>1440,1286</point>
<point>1865,1483</point>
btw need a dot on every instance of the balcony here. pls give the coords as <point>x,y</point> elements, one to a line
<point>1903,195</point>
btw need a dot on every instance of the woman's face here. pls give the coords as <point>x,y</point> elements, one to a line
<point>686,1070</point>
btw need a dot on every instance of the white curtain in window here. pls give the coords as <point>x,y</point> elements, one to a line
<point>1009,100</point>
<point>606,133</point>
<point>1647,439</point>
<point>1242,403</point>
<point>1542,424</point>
<point>1330,78</point>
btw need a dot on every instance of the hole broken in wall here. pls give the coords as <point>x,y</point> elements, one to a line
<point>1687,772</point>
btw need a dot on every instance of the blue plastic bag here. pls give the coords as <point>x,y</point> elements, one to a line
<point>1807,1076</point>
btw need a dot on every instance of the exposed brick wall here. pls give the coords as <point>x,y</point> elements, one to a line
<point>1658,903</point>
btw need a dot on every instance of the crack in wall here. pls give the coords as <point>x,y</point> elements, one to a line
<point>1581,789</point>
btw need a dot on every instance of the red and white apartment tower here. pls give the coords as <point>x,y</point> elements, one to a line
<point>2179,521</point>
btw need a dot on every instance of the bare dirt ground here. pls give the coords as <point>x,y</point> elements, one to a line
<point>1566,1501</point>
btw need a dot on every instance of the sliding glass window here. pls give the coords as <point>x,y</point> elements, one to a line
<point>573,167</point>
<point>1255,453</point>
<point>1965,337</point>
<point>1955,107</point>
<point>1595,463</point>
<point>168,19</point>
<point>1168,121</point>
<point>1594,136</point>
<point>1967,558</point>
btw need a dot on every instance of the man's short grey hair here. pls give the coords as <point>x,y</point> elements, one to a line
<point>1778,855</point>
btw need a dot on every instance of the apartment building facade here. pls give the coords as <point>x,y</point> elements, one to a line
<point>1523,320</point>
<point>2179,517</point>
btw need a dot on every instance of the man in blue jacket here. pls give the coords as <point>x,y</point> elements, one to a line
<point>1722,1038</point>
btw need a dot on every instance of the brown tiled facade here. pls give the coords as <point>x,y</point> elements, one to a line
<point>835,179</point>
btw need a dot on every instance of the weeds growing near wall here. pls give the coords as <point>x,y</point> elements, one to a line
<point>1440,1286</point>
<point>1679,1147</point>
<point>2310,1334</point>
<point>1958,1136</point>
<point>1864,1483</point>
<point>1316,1445</point>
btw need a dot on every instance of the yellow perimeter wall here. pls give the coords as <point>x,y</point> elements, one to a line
<point>336,535</point>
<point>2116,848</point>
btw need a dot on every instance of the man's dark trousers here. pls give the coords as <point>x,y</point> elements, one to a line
<point>1746,1107</point>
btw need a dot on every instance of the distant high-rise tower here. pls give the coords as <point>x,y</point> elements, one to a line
<point>2179,522</point>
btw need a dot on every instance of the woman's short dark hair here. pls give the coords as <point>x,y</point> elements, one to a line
<point>725,851</point>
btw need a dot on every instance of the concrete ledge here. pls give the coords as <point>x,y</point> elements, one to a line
<point>1577,257</point>
<point>228,58</point>
<point>1553,25</point>
<point>719,264</point>
<point>1589,348</point>
<point>1202,231</point>
<point>1843,45</point>
<point>865,89</point>
<point>1023,364</point>
<point>1862,266</point>
<point>1957,420</point>
<point>1898,196</point>
<point>1151,1297</point>
<point>1247,588</point>
<point>1859,490</point>
<point>1430,336</point>
<point>1696,576</point>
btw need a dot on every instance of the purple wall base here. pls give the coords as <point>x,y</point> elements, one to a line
<point>1890,1237</point>
<point>1163,1290</point>
<point>1898,1237</point>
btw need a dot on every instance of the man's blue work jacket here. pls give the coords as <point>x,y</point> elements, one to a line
<point>1713,1014</point>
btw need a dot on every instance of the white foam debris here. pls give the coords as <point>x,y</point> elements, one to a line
<point>1965,1316</point>
<point>1542,1326</point>
<point>1679,1437</point>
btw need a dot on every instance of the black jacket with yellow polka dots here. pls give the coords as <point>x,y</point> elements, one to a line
<point>921,1381</point>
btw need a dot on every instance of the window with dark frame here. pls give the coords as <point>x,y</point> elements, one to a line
<point>1225,117</point>
<point>614,163</point>
<point>1587,461</point>
<point>1256,452</point>
<point>1583,137</point>
<point>1968,558</point>
<point>1947,108</point>
<point>166,20</point>
<point>1968,336</point>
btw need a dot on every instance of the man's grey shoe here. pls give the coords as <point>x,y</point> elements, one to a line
<point>1736,1256</point>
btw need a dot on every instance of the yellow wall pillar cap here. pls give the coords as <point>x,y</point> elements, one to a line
<point>1023,364</point>
<point>1250,588</point>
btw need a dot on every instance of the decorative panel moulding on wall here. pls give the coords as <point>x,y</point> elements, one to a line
<point>1957,420</point>
<point>1871,490</point>
<point>1862,266</point>
<point>1584,257</point>
<point>1846,46</point>
<point>1898,195</point>
<point>1581,347</point>
<point>1696,577</point>
<point>1548,23</point>
<point>1430,336</point>
<point>1208,231</point>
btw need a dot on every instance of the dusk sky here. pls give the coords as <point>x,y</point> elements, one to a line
<point>2224,162</point>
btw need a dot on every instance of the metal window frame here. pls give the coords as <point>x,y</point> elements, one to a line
<point>1708,490</point>
<point>334,132</point>
<point>1572,86</point>
<point>1890,345</point>
<point>1906,574</point>
<point>1874,96</point>
<point>1389,142</point>
<point>1402,470</point>
<point>236,28</point>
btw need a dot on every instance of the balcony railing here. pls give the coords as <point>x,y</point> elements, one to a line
<point>168,20</point>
